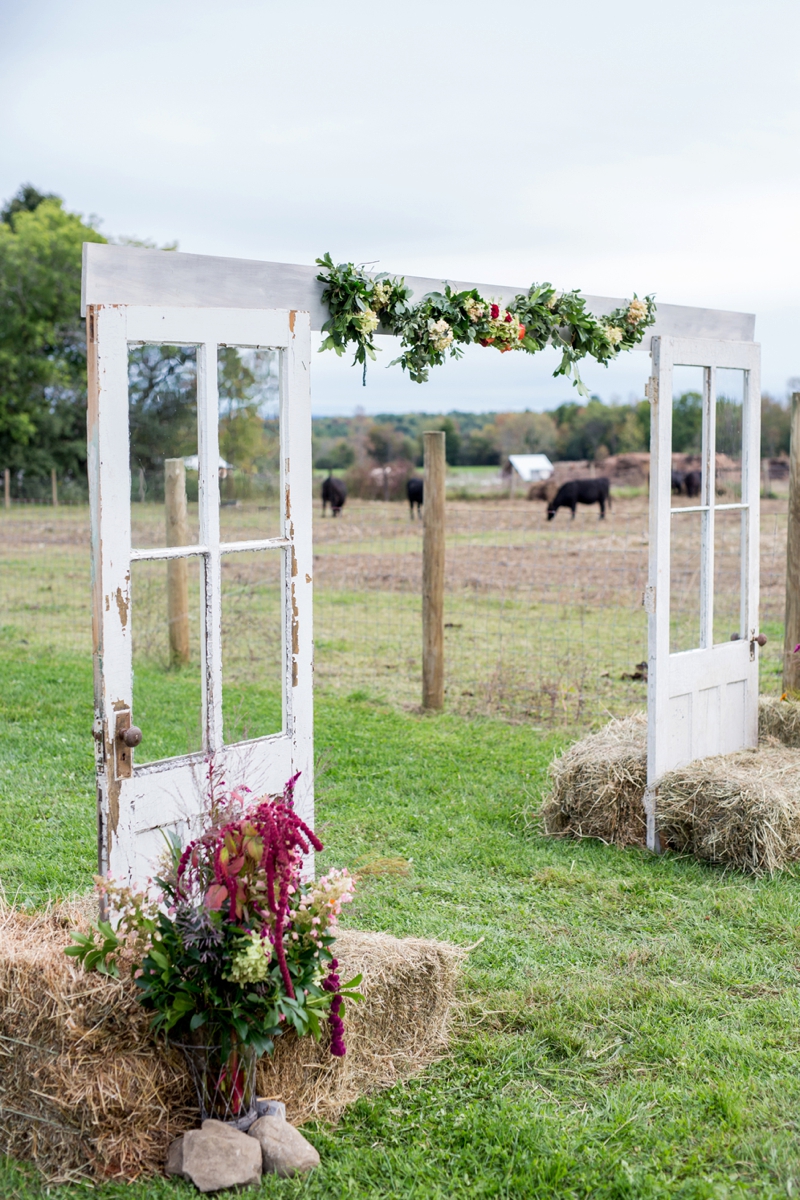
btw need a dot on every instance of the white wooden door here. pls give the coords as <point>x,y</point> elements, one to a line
<point>702,595</point>
<point>135,803</point>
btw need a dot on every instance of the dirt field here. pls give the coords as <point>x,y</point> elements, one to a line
<point>544,620</point>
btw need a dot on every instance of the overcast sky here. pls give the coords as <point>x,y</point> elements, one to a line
<point>614,147</point>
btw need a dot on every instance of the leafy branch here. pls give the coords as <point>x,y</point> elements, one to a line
<point>442,323</point>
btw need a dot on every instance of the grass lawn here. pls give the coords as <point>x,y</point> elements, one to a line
<point>630,1024</point>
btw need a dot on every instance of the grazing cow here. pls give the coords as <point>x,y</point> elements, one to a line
<point>678,478</point>
<point>334,493</point>
<point>414,493</point>
<point>692,483</point>
<point>581,491</point>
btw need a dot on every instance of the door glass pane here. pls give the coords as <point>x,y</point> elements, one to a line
<point>162,397</point>
<point>252,646</point>
<point>685,581</point>
<point>729,405</point>
<point>687,433</point>
<point>249,443</point>
<point>729,542</point>
<point>165,607</point>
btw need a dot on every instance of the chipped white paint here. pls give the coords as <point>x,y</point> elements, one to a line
<point>702,701</point>
<point>135,804</point>
<point>129,275</point>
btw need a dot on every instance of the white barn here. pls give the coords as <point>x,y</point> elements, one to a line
<point>531,468</point>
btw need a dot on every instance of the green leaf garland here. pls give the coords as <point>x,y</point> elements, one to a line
<point>442,323</point>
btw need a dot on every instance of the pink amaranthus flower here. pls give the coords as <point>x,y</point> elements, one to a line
<point>252,865</point>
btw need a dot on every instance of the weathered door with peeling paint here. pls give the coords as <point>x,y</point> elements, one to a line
<point>137,802</point>
<point>702,593</point>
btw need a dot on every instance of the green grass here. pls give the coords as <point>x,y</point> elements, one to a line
<point>630,1027</point>
<point>544,620</point>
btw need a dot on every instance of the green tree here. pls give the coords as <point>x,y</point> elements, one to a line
<point>162,395</point>
<point>480,449</point>
<point>522,433</point>
<point>595,429</point>
<point>642,411</point>
<point>338,457</point>
<point>729,427</point>
<point>452,439</point>
<point>385,443</point>
<point>687,423</point>
<point>775,427</point>
<point>42,340</point>
<point>248,405</point>
<point>27,199</point>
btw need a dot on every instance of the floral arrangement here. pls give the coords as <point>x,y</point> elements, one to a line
<point>442,323</point>
<point>235,947</point>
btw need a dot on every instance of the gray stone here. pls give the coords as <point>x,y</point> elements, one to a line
<point>175,1157</point>
<point>271,1108</point>
<point>246,1121</point>
<point>217,1156</point>
<point>285,1151</point>
<point>261,1108</point>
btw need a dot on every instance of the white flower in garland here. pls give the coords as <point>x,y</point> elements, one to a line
<point>382,294</point>
<point>614,334</point>
<point>367,322</point>
<point>440,334</point>
<point>474,310</point>
<point>637,311</point>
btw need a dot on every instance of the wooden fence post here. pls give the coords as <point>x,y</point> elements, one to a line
<point>7,487</point>
<point>177,568</point>
<point>54,486</point>
<point>433,571</point>
<point>791,661</point>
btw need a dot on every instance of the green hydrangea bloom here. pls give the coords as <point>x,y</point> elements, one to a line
<point>251,962</point>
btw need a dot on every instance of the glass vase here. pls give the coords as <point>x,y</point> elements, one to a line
<point>225,1083</point>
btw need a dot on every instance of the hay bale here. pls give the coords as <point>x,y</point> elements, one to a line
<point>740,810</point>
<point>598,785</point>
<point>86,1094</point>
<point>779,719</point>
<point>399,1027</point>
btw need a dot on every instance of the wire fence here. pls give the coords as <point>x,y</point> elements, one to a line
<point>543,620</point>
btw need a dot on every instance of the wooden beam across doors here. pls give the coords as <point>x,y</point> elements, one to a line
<point>167,279</point>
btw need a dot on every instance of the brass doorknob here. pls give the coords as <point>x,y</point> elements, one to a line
<point>761,639</point>
<point>131,736</point>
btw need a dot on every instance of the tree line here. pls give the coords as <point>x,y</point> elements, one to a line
<point>43,389</point>
<point>571,431</point>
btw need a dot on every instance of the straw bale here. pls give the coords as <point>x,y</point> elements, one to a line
<point>86,1094</point>
<point>598,785</point>
<point>779,719</point>
<point>400,1026</point>
<point>598,789</point>
<point>740,810</point>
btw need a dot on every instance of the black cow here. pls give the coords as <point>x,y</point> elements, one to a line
<point>678,478</point>
<point>334,493</point>
<point>692,483</point>
<point>414,493</point>
<point>581,491</point>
